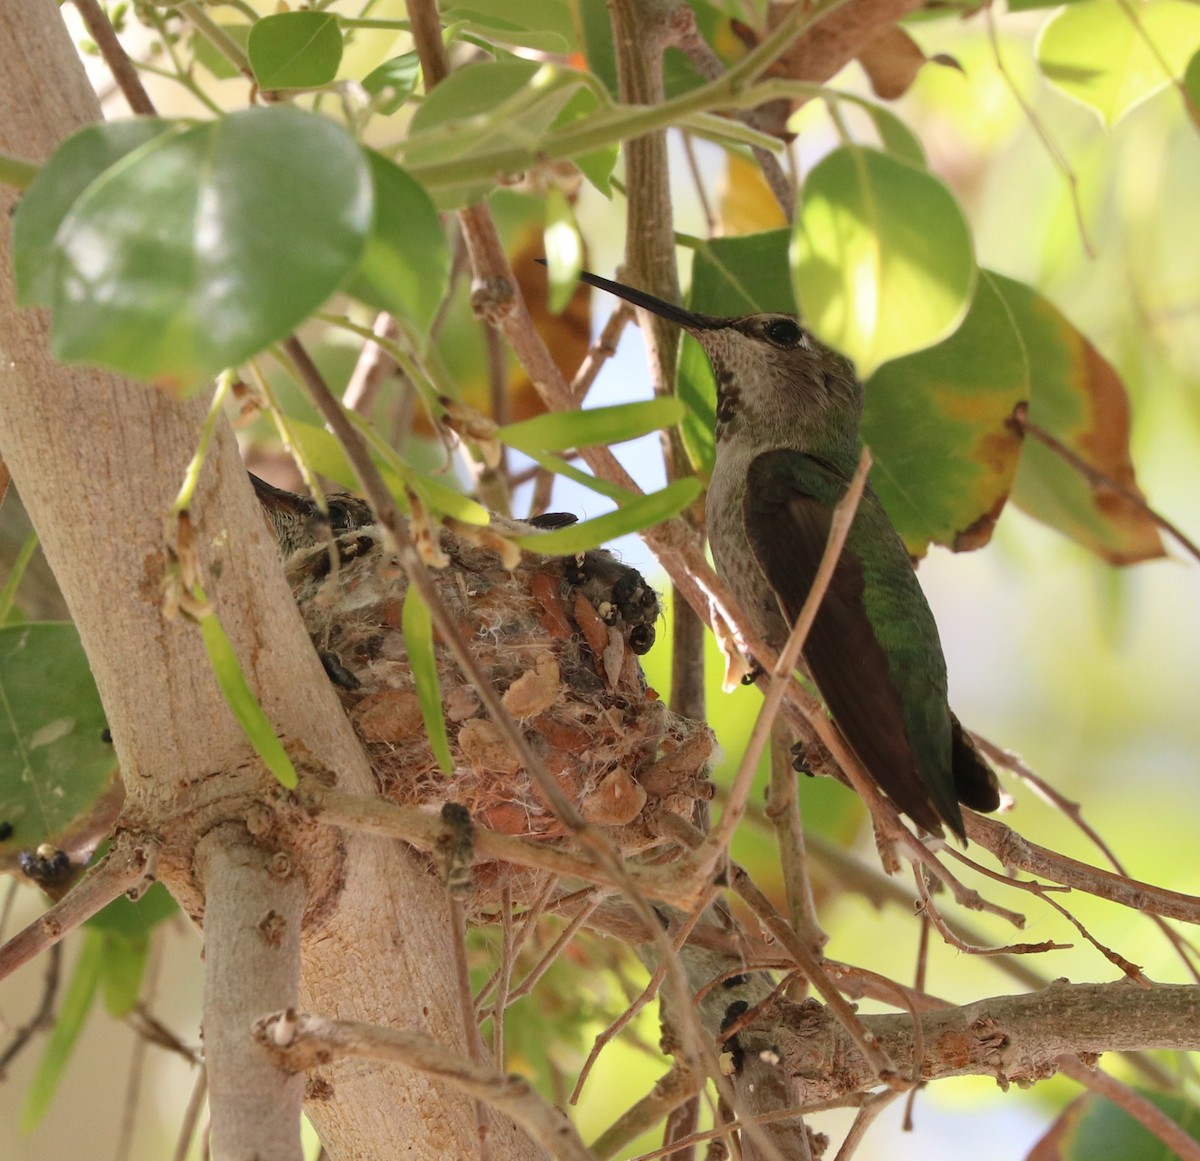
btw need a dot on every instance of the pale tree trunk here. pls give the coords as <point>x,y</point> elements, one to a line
<point>98,461</point>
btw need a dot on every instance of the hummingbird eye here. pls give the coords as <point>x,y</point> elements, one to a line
<point>784,332</point>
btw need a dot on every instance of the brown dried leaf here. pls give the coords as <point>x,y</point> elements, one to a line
<point>891,62</point>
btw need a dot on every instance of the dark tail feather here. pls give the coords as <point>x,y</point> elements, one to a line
<point>974,780</point>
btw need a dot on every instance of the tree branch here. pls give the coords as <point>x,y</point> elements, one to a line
<point>1013,1038</point>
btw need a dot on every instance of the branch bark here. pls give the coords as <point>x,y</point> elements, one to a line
<point>1013,1038</point>
<point>98,460</point>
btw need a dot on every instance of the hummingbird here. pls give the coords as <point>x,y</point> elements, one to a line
<point>787,445</point>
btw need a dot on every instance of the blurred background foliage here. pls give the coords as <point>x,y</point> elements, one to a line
<point>1084,192</point>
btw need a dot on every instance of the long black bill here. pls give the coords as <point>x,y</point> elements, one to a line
<point>688,319</point>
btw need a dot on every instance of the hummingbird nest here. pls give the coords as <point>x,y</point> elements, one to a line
<point>559,638</point>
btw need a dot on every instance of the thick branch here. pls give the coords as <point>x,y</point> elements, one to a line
<point>302,1041</point>
<point>98,461</point>
<point>252,963</point>
<point>1013,1038</point>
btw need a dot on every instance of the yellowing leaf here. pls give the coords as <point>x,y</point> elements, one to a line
<point>1077,398</point>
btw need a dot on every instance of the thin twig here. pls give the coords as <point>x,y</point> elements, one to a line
<point>1074,812</point>
<point>1057,157</point>
<point>930,909</point>
<point>44,1016</point>
<point>191,1115</point>
<point>783,810</point>
<point>1016,852</point>
<point>462,980</point>
<point>122,68</point>
<point>1100,480</point>
<point>128,865</point>
<point>373,366</point>
<point>610,1033</point>
<point>600,352</point>
<point>871,1108</point>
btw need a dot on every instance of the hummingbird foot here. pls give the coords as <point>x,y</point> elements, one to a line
<point>811,758</point>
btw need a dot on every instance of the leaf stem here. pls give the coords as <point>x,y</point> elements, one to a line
<point>9,593</point>
<point>192,475</point>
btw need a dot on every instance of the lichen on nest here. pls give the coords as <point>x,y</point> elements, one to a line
<point>559,639</point>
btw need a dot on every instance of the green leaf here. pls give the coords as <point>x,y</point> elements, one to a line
<point>295,50</point>
<point>55,766</point>
<point>135,918</point>
<point>417,625</point>
<point>393,82</point>
<point>212,58</point>
<point>248,237</point>
<point>895,136</point>
<point>1191,87</point>
<point>82,158</point>
<point>1078,398</point>
<point>406,267</point>
<point>486,104</point>
<point>1095,53</point>
<point>544,25</point>
<point>936,423</point>
<point>254,723</point>
<point>1092,1128</point>
<point>564,249</point>
<point>76,1003</point>
<point>882,261</point>
<point>597,166</point>
<point>644,512</point>
<point>560,467</point>
<point>598,426</point>
<point>730,276</point>
<point>122,966</point>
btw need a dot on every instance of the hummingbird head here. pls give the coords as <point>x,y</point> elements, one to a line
<point>775,382</point>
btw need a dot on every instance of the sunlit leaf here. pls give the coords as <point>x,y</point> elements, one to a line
<point>936,423</point>
<point>644,512</point>
<point>1092,1128</point>
<point>1095,53</point>
<point>1078,398</point>
<point>55,767</point>
<point>72,1013</point>
<point>560,430</point>
<point>882,260</point>
<point>393,82</point>
<point>895,137</point>
<point>249,236</point>
<point>295,50</point>
<point>746,203</point>
<point>417,624</point>
<point>564,249</point>
<point>258,730</point>
<point>82,158</point>
<point>406,266</point>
